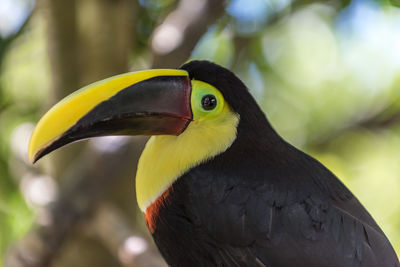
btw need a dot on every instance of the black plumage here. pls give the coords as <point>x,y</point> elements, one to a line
<point>263,202</point>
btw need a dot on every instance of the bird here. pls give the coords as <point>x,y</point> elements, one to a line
<point>218,186</point>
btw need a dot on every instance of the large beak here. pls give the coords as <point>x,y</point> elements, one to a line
<point>153,102</point>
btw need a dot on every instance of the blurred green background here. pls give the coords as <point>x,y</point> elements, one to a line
<point>326,73</point>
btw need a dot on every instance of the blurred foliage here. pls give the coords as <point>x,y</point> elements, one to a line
<point>327,75</point>
<point>15,215</point>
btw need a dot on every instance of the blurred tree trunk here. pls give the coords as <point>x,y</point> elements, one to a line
<point>63,45</point>
<point>88,41</point>
<point>106,37</point>
<point>62,36</point>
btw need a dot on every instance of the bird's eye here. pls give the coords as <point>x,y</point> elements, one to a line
<point>209,102</point>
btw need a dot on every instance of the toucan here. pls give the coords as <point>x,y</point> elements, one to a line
<point>217,185</point>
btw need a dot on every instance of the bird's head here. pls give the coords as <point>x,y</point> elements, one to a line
<point>192,112</point>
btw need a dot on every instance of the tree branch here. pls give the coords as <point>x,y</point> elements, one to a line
<point>174,40</point>
<point>381,120</point>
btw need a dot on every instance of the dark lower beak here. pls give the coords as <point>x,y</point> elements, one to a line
<point>154,102</point>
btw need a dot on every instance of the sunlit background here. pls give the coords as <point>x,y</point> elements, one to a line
<point>326,73</point>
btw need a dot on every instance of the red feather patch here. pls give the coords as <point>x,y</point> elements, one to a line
<point>153,210</point>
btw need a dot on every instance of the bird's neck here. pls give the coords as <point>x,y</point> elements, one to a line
<point>166,158</point>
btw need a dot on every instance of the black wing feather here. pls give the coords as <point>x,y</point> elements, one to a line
<point>254,222</point>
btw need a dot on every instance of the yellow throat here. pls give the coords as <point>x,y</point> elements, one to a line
<point>165,158</point>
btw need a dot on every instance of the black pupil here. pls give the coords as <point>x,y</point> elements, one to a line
<point>209,102</point>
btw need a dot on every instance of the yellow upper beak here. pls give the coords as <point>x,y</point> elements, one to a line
<point>64,116</point>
